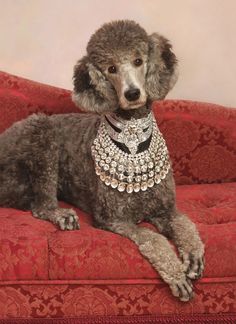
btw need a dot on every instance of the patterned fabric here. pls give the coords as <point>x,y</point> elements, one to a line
<point>201,138</point>
<point>68,299</point>
<point>20,97</point>
<point>45,272</point>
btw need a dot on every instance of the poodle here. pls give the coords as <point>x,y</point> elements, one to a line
<point>112,163</point>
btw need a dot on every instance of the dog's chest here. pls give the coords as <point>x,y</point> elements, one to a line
<point>155,201</point>
<point>136,207</point>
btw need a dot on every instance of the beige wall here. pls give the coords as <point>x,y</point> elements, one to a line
<point>42,39</point>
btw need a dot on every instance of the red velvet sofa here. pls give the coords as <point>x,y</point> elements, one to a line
<point>94,276</point>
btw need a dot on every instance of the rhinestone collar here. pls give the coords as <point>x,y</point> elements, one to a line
<point>131,132</point>
<point>135,171</point>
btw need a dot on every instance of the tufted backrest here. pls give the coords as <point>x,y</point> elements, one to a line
<point>201,137</point>
<point>20,98</point>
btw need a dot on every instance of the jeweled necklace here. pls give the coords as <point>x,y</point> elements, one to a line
<point>131,132</point>
<point>130,172</point>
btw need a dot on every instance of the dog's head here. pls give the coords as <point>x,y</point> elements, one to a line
<point>124,67</point>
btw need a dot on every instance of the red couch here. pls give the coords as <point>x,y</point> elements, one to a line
<point>94,276</point>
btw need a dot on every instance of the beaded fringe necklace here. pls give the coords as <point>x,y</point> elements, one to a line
<point>130,172</point>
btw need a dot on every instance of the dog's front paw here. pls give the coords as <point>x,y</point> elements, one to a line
<point>182,288</point>
<point>194,264</point>
<point>66,219</point>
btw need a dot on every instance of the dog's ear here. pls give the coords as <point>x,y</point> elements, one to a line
<point>92,91</point>
<point>162,68</point>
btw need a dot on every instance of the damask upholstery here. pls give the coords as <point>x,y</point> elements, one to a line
<point>94,276</point>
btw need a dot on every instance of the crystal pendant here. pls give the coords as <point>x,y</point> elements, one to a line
<point>137,169</point>
<point>112,170</point>
<point>121,168</point>
<point>157,179</point>
<point>129,179</point>
<point>151,174</point>
<point>106,167</point>
<point>150,183</point>
<point>98,170</point>
<point>129,188</point>
<point>114,183</point>
<point>121,187</point>
<point>121,176</point>
<point>102,176</point>
<point>144,168</point>
<point>108,160</point>
<point>136,187</point>
<point>102,163</point>
<point>144,186</point>
<point>150,165</point>
<point>144,177</point>
<point>107,181</point>
<point>113,164</point>
<point>162,174</point>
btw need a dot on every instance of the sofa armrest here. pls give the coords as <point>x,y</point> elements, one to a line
<point>201,138</point>
<point>20,97</point>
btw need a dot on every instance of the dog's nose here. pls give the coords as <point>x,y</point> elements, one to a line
<point>132,94</point>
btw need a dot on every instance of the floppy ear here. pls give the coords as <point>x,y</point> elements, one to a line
<point>162,68</point>
<point>92,91</point>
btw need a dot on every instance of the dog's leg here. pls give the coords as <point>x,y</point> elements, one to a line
<point>185,235</point>
<point>156,248</point>
<point>43,170</point>
<point>190,246</point>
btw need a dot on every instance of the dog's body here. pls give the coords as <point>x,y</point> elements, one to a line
<point>70,137</point>
<point>43,158</point>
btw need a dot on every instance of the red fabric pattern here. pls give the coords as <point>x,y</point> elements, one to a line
<point>64,300</point>
<point>147,319</point>
<point>201,139</point>
<point>20,98</point>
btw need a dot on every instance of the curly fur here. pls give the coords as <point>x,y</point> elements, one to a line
<point>93,91</point>
<point>43,158</point>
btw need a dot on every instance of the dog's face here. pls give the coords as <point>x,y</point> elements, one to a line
<point>127,74</point>
<point>123,69</point>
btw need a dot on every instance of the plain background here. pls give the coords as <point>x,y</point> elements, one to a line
<point>42,39</point>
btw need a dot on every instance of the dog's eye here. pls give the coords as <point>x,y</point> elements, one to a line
<point>112,69</point>
<point>138,62</point>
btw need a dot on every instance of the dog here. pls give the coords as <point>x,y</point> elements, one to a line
<point>112,163</point>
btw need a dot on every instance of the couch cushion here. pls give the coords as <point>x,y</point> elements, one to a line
<point>34,249</point>
<point>212,207</point>
<point>23,246</point>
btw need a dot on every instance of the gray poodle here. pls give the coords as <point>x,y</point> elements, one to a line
<point>113,162</point>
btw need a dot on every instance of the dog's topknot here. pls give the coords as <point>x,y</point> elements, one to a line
<point>114,36</point>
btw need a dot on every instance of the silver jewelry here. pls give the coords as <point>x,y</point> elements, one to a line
<point>135,171</point>
<point>131,132</point>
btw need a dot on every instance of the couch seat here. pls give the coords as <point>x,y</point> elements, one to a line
<point>32,249</point>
